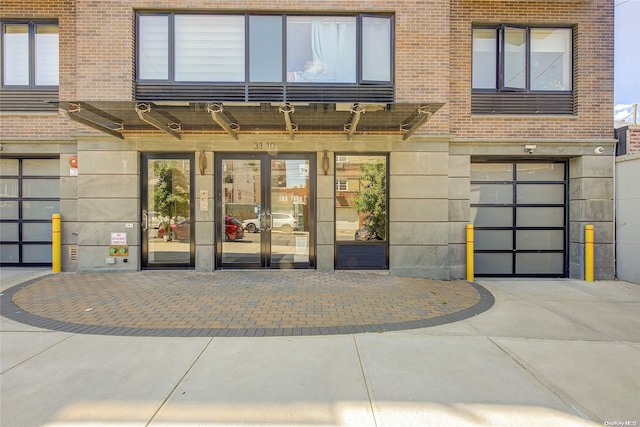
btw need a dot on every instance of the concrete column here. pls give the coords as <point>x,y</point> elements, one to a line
<point>108,201</point>
<point>325,226</point>
<point>204,221</point>
<point>459,213</point>
<point>419,212</point>
<point>591,202</point>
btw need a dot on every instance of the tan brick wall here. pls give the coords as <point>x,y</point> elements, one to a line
<point>593,71</point>
<point>45,125</point>
<point>98,56</point>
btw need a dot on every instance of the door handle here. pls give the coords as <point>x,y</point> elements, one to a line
<point>270,227</point>
<point>263,221</point>
<point>145,221</point>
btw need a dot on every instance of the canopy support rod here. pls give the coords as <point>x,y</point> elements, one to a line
<point>143,110</point>
<point>351,127</point>
<point>423,111</point>
<point>75,108</point>
<point>216,114</point>
<point>289,109</point>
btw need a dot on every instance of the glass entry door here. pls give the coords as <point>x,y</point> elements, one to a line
<point>265,210</point>
<point>167,234</point>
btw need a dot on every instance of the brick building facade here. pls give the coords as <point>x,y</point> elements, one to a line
<point>520,163</point>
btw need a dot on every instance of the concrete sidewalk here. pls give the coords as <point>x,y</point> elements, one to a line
<point>549,352</point>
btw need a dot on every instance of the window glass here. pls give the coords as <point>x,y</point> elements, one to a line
<point>265,48</point>
<point>36,232</point>
<point>9,167</point>
<point>40,188</point>
<point>376,49</point>
<point>9,231</point>
<point>540,172</point>
<point>515,58</point>
<point>540,193</point>
<point>486,263</point>
<point>40,167</point>
<point>8,210</point>
<point>540,239</point>
<point>551,59</point>
<point>485,216</point>
<point>493,194</point>
<point>46,54</point>
<point>9,253</point>
<point>209,48</point>
<point>492,172</point>
<point>8,187</point>
<point>540,263</point>
<point>153,47</point>
<point>321,49</point>
<point>37,253</point>
<point>361,209</point>
<point>16,54</point>
<point>484,59</point>
<point>493,239</point>
<point>540,217</point>
<point>33,209</point>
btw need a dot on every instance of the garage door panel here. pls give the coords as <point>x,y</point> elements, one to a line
<point>540,263</point>
<point>540,217</point>
<point>540,240</point>
<point>488,264</point>
<point>541,194</point>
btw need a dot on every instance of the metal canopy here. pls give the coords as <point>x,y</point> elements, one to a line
<point>174,118</point>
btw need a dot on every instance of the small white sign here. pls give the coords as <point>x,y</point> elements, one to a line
<point>118,239</point>
<point>73,172</point>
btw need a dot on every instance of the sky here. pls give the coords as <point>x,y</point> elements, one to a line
<point>627,58</point>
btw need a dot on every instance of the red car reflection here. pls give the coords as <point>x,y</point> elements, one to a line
<point>232,229</point>
<point>179,231</point>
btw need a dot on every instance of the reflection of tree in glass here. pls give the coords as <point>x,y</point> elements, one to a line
<point>170,193</point>
<point>372,201</point>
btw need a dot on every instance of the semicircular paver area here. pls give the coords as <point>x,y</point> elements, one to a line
<point>240,303</point>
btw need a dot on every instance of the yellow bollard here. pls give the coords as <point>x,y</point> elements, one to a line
<point>56,244</point>
<point>588,253</point>
<point>470,252</point>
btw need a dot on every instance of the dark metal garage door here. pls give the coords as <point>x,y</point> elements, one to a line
<point>519,212</point>
<point>29,195</point>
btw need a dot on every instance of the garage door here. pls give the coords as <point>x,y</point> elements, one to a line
<point>519,212</point>
<point>29,195</point>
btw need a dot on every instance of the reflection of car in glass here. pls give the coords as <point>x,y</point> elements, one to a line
<point>233,229</point>
<point>281,221</point>
<point>155,219</point>
<point>179,231</point>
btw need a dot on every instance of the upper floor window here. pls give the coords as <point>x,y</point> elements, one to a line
<point>196,48</point>
<point>512,58</point>
<point>29,54</point>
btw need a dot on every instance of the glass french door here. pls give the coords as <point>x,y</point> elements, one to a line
<point>167,232</point>
<point>265,206</point>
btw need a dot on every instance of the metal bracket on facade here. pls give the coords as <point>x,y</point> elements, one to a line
<point>425,114</point>
<point>350,128</point>
<point>143,110</point>
<point>288,109</point>
<point>216,114</point>
<point>75,108</point>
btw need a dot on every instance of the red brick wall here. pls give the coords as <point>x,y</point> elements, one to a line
<point>593,83</point>
<point>432,56</point>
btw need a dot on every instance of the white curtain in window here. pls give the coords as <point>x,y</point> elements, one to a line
<point>209,48</point>
<point>16,55</point>
<point>47,55</point>
<point>333,42</point>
